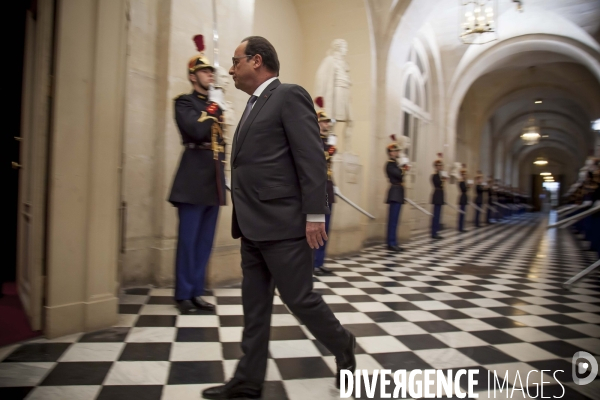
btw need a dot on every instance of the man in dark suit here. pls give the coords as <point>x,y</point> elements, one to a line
<point>199,185</point>
<point>395,197</point>
<point>279,179</point>
<point>437,199</point>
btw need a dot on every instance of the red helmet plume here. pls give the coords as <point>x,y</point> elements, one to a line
<point>319,101</point>
<point>199,41</point>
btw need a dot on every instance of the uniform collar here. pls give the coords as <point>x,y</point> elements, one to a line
<point>200,95</point>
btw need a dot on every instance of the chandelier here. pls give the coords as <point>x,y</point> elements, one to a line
<point>531,133</point>
<point>478,21</point>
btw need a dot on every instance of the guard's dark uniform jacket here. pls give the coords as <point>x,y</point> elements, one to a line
<point>491,195</point>
<point>463,193</point>
<point>438,191</point>
<point>329,151</point>
<point>395,175</point>
<point>200,177</point>
<point>479,197</point>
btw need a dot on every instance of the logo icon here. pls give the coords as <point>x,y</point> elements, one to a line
<point>584,362</point>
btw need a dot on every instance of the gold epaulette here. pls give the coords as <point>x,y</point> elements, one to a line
<point>179,95</point>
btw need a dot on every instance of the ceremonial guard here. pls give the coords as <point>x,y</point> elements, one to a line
<point>437,199</point>
<point>479,190</point>
<point>463,200</point>
<point>199,185</point>
<point>395,197</point>
<point>491,191</point>
<point>325,125</point>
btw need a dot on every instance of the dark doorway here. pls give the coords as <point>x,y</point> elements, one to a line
<point>14,324</point>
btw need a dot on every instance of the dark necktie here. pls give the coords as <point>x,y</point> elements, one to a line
<point>249,105</point>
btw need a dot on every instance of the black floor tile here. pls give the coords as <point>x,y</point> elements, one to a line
<point>559,348</point>
<point>468,295</point>
<point>359,299</point>
<point>138,291</point>
<point>421,342</point>
<point>14,393</point>
<point>231,320</point>
<point>111,335</point>
<point>495,337</point>
<point>385,316</point>
<point>558,369</point>
<point>38,352</point>
<point>459,303</point>
<point>141,392</point>
<point>363,330</point>
<point>562,319</point>
<point>487,355</point>
<point>403,306</point>
<point>449,314</point>
<point>156,321</point>
<point>146,352</point>
<point>229,300</point>
<point>197,335</point>
<point>77,373</point>
<point>508,311</point>
<point>416,297</point>
<point>129,308</point>
<point>287,333</point>
<point>502,322</point>
<point>403,360</point>
<point>562,332</point>
<point>375,291</point>
<point>342,307</point>
<point>232,350</point>
<point>437,326</point>
<point>280,309</point>
<point>303,368</point>
<point>274,391</point>
<point>164,300</point>
<point>196,372</point>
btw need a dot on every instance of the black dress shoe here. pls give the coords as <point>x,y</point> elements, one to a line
<point>207,292</point>
<point>203,305</point>
<point>319,271</point>
<point>234,389</point>
<point>436,237</point>
<point>186,307</point>
<point>326,270</point>
<point>397,249</point>
<point>346,361</point>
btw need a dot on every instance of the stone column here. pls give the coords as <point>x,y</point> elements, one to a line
<point>85,158</point>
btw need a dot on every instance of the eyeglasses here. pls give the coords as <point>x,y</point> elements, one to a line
<point>235,62</point>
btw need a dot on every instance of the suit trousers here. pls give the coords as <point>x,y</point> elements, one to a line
<point>435,220</point>
<point>320,252</point>
<point>197,224</point>
<point>461,218</point>
<point>392,226</point>
<point>287,265</point>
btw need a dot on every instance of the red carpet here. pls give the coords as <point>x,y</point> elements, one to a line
<point>14,325</point>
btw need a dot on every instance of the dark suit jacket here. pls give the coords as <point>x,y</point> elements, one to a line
<point>479,198</point>
<point>463,193</point>
<point>394,174</point>
<point>278,169</point>
<point>195,181</point>
<point>438,191</point>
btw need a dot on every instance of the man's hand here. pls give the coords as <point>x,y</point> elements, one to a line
<point>315,234</point>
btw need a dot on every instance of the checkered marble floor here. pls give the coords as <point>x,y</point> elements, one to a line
<point>489,299</point>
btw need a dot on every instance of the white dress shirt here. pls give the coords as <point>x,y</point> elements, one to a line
<point>257,93</point>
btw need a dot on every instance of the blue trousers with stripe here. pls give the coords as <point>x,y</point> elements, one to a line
<point>197,225</point>
<point>392,225</point>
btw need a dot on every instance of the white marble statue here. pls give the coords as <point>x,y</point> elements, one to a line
<point>333,84</point>
<point>404,144</point>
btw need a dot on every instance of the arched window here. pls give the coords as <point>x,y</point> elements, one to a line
<point>415,102</point>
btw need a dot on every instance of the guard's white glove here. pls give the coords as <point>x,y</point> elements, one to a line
<point>470,182</point>
<point>331,139</point>
<point>403,161</point>
<point>216,95</point>
<point>586,203</point>
<point>444,174</point>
